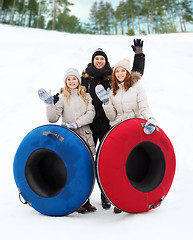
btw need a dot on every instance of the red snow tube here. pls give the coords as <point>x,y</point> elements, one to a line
<point>134,170</point>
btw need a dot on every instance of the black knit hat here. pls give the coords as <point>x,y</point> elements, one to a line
<point>99,51</point>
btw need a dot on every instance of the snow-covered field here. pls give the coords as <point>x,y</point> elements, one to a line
<point>31,59</point>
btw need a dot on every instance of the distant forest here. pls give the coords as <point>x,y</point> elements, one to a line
<point>129,17</point>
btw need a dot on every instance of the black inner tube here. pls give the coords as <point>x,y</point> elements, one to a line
<point>145,166</point>
<point>45,173</point>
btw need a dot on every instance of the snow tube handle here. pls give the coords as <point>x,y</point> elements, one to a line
<point>22,199</point>
<point>156,204</point>
<point>60,138</point>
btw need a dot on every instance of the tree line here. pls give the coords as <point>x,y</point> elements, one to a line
<point>129,17</point>
<point>45,14</point>
<point>141,16</point>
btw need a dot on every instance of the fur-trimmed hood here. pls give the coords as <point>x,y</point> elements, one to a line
<point>86,75</point>
<point>135,76</point>
<point>127,104</point>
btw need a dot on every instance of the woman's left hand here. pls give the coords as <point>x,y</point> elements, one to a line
<point>150,126</point>
<point>72,126</point>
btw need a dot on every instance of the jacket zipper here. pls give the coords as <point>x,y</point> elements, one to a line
<point>122,102</point>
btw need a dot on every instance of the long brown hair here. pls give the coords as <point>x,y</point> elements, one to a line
<point>115,83</point>
<point>81,92</point>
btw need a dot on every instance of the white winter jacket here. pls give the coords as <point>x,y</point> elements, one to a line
<point>76,111</point>
<point>127,104</point>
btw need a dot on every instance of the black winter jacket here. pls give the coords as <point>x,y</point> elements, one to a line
<point>92,77</point>
<point>139,63</point>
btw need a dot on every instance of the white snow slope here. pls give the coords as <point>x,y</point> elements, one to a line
<point>31,59</point>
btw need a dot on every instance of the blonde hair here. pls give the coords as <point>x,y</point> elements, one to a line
<point>81,92</point>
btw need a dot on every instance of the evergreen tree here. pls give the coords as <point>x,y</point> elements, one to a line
<point>40,19</point>
<point>130,13</point>
<point>62,21</point>
<point>187,13</point>
<point>106,13</point>
<point>58,7</point>
<point>145,12</point>
<point>120,15</point>
<point>13,12</point>
<point>94,18</point>
<point>5,11</point>
<point>102,17</point>
<point>138,12</point>
<point>22,11</point>
<point>172,13</point>
<point>1,4</point>
<point>32,11</point>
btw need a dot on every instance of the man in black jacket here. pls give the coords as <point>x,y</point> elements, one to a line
<point>100,72</point>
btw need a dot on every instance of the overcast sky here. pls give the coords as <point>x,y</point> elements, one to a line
<point>81,8</point>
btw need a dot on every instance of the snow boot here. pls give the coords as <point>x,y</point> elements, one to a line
<point>116,210</point>
<point>89,207</point>
<point>81,210</point>
<point>105,202</point>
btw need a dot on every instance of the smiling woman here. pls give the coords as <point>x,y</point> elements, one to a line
<point>72,82</point>
<point>76,110</point>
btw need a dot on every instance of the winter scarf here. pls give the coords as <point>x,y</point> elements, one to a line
<point>94,72</point>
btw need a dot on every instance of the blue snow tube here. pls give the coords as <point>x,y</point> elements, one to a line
<point>54,170</point>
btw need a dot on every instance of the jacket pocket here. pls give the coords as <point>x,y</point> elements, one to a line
<point>90,141</point>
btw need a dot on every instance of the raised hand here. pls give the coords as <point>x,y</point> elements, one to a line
<point>138,46</point>
<point>44,96</point>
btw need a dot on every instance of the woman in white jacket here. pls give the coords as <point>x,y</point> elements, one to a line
<point>126,99</point>
<point>77,112</point>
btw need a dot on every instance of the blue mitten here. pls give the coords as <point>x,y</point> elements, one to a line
<point>150,126</point>
<point>44,96</point>
<point>72,126</point>
<point>102,94</point>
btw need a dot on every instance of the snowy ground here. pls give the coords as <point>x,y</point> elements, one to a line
<point>30,59</point>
